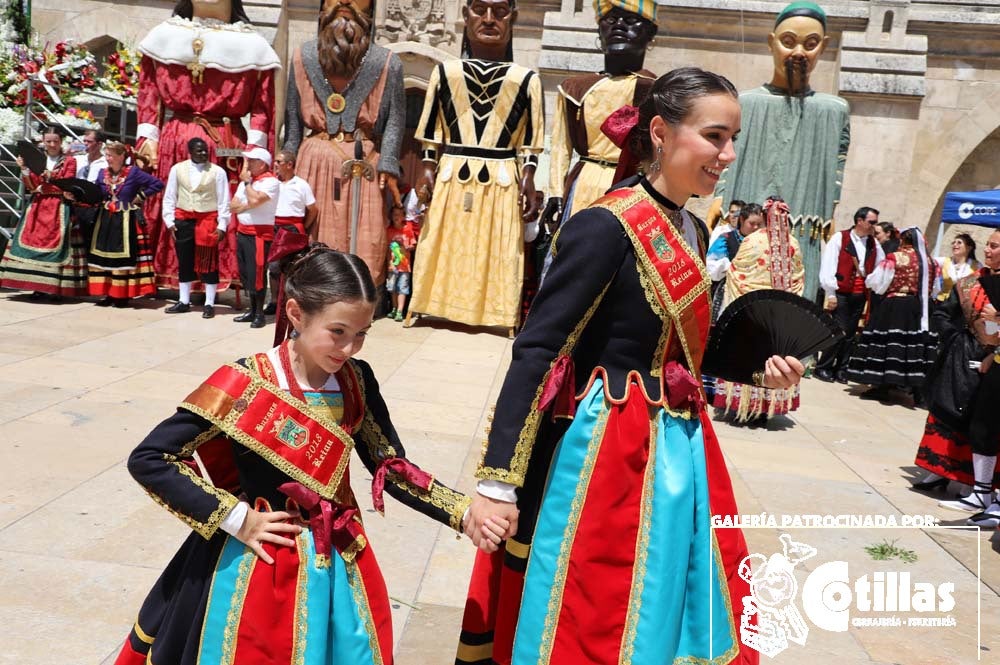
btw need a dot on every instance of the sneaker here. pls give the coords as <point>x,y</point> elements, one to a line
<point>178,308</point>
<point>976,502</point>
<point>391,315</point>
<point>398,316</point>
<point>988,519</point>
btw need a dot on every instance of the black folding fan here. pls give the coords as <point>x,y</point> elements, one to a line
<point>762,324</point>
<point>991,285</point>
<point>34,159</point>
<point>83,190</point>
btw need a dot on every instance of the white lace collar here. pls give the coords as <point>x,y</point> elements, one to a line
<point>229,47</point>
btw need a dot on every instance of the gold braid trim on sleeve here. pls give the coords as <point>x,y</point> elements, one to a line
<point>526,440</point>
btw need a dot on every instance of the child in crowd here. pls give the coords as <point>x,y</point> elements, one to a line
<point>402,241</point>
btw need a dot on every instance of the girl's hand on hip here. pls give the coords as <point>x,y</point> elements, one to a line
<point>259,528</point>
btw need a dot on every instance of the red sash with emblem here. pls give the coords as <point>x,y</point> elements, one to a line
<point>673,269</point>
<point>249,407</point>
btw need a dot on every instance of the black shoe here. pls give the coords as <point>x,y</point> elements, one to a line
<point>940,484</point>
<point>271,309</point>
<point>841,377</point>
<point>877,394</point>
<point>120,302</point>
<point>178,308</point>
<point>105,301</point>
<point>249,315</point>
<point>824,375</point>
<point>208,312</point>
<point>258,321</point>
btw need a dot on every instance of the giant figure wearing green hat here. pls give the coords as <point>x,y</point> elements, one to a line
<point>794,140</point>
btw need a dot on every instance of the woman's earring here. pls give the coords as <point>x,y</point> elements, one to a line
<point>294,334</point>
<point>654,166</point>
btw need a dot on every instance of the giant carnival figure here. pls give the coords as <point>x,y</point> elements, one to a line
<point>345,116</point>
<point>482,131</point>
<point>202,71</point>
<point>794,140</point>
<point>584,102</point>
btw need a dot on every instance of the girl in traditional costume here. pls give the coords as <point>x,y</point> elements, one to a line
<point>722,251</point>
<point>897,347</point>
<point>278,569</point>
<point>768,259</point>
<point>120,260</point>
<point>961,263</point>
<point>600,433</point>
<point>957,444</point>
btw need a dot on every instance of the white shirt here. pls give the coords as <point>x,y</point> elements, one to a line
<point>831,256</point>
<point>720,229</point>
<point>51,162</point>
<point>294,196</point>
<point>93,169</point>
<point>197,170</point>
<point>262,215</point>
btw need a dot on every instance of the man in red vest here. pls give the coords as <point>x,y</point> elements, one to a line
<point>848,258</point>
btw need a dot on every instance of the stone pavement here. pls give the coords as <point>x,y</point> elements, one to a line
<point>80,543</point>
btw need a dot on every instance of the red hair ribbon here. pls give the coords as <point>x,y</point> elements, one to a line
<point>285,244</point>
<point>618,127</point>
<point>410,472</point>
<point>332,524</point>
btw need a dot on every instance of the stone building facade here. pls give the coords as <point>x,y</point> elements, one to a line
<point>922,76</point>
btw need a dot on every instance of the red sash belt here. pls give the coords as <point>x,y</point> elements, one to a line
<point>332,524</point>
<point>296,222</point>
<point>206,239</point>
<point>280,428</point>
<point>263,233</point>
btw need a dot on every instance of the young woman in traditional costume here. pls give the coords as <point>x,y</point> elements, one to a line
<point>961,263</point>
<point>957,443</point>
<point>768,259</point>
<point>47,253</point>
<point>600,433</point>
<point>120,260</point>
<point>897,347</point>
<point>278,569</point>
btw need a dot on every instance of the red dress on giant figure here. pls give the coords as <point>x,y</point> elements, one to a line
<point>200,78</point>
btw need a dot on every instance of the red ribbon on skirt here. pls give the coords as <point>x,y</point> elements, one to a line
<point>263,233</point>
<point>332,524</point>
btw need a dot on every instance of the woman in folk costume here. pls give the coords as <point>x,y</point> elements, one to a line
<point>967,326</point>
<point>722,252</point>
<point>600,433</point>
<point>47,253</point>
<point>897,347</point>
<point>961,263</point>
<point>120,260</point>
<point>202,71</point>
<point>278,569</point>
<point>768,259</point>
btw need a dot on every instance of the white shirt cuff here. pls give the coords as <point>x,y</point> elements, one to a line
<point>147,130</point>
<point>498,490</point>
<point>223,223</point>
<point>234,520</point>
<point>257,137</point>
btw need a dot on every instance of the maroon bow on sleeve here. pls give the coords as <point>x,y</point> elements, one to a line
<point>559,391</point>
<point>401,467</point>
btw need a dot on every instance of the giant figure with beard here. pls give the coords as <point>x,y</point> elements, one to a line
<point>202,72</point>
<point>794,140</point>
<point>347,93</point>
<point>481,115</point>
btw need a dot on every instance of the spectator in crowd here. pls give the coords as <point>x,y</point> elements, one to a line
<point>961,263</point>
<point>89,163</point>
<point>727,222</point>
<point>296,212</point>
<point>402,241</point>
<point>957,443</point>
<point>195,208</point>
<point>120,260</point>
<point>749,217</point>
<point>848,259</point>
<point>47,255</point>
<point>897,347</point>
<point>887,236</point>
<point>254,205</point>
<point>769,258</point>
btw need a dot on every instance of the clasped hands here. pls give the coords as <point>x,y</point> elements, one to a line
<point>489,522</point>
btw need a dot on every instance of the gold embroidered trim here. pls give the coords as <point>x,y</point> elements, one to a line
<point>443,497</point>
<point>226,500</point>
<point>211,592</point>
<point>569,536</point>
<point>526,440</point>
<point>301,628</point>
<point>141,634</point>
<point>188,449</point>
<point>364,610</point>
<point>228,425</point>
<point>232,629</point>
<point>641,552</point>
